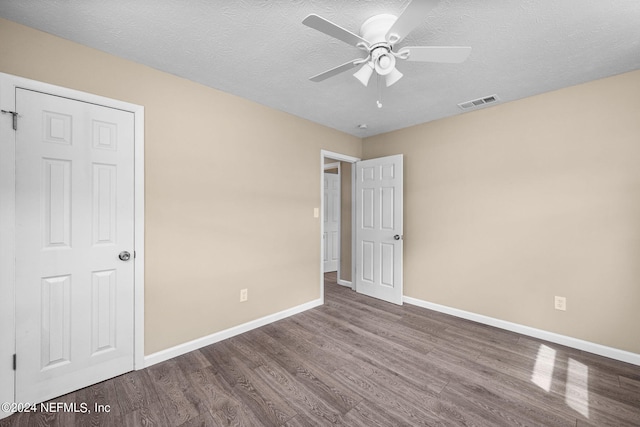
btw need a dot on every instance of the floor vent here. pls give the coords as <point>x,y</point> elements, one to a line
<point>480,102</point>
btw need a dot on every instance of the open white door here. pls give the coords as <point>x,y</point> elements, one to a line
<point>74,227</point>
<point>331,216</point>
<point>379,228</point>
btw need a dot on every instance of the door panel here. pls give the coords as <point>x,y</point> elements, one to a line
<point>378,220</point>
<point>56,321</point>
<point>103,311</point>
<point>57,203</point>
<point>104,204</point>
<point>74,214</point>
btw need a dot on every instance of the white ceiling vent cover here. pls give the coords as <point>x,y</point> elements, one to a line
<point>480,102</point>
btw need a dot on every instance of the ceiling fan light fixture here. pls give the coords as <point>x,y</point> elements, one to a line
<point>378,37</point>
<point>384,63</point>
<point>364,74</point>
<point>393,77</point>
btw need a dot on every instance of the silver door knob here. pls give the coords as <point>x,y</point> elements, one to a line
<point>124,256</point>
<point>396,237</point>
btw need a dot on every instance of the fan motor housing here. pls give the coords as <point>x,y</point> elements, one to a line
<point>375,29</point>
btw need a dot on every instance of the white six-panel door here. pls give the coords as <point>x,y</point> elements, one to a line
<point>379,228</point>
<point>74,216</point>
<point>331,215</point>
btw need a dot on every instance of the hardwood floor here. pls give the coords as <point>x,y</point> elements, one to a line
<point>357,361</point>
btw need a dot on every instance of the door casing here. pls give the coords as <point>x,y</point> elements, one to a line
<point>8,85</point>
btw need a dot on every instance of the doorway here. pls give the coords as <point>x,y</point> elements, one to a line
<point>376,239</point>
<point>332,217</point>
<point>344,268</point>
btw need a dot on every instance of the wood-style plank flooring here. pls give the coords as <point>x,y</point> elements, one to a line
<point>357,361</point>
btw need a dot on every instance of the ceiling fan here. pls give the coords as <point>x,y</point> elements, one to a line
<point>378,37</point>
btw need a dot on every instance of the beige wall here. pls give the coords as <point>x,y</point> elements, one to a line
<point>230,189</point>
<point>509,206</point>
<point>504,208</point>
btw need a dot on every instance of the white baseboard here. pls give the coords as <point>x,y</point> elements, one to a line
<point>613,353</point>
<point>345,283</point>
<point>181,349</point>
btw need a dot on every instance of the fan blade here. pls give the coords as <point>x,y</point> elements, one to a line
<point>329,28</point>
<point>414,14</point>
<point>446,54</point>
<point>337,70</point>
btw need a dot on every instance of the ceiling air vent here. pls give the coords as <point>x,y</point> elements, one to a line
<point>480,102</point>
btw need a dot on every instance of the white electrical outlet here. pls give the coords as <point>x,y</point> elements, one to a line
<point>560,303</point>
<point>244,295</point>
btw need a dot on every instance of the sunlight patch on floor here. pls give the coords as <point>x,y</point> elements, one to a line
<point>576,393</point>
<point>577,390</point>
<point>543,369</point>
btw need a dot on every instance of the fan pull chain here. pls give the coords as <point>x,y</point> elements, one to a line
<point>379,101</point>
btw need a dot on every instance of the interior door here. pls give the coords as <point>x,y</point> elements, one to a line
<point>331,221</point>
<point>379,228</point>
<point>74,227</point>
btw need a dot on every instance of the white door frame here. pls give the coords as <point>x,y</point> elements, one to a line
<point>342,158</point>
<point>8,86</point>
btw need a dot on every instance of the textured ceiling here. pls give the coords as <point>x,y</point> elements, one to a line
<point>261,51</point>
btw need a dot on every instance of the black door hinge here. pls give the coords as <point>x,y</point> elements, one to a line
<point>14,361</point>
<point>15,118</point>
